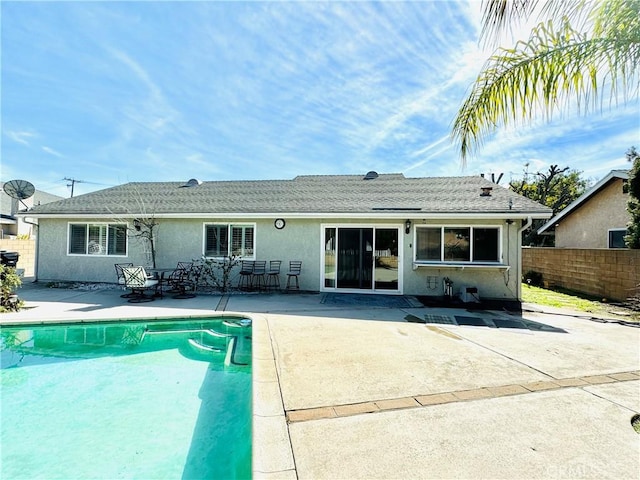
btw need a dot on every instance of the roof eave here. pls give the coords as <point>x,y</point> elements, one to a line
<point>614,174</point>
<point>306,215</point>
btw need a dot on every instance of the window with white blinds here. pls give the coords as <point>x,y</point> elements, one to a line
<point>97,239</point>
<point>222,240</point>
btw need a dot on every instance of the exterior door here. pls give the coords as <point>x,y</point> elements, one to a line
<point>355,258</point>
<point>361,258</point>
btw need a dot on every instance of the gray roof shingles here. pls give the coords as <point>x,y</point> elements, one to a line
<point>331,194</point>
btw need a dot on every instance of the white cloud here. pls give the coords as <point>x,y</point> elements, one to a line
<point>20,137</point>
<point>53,152</point>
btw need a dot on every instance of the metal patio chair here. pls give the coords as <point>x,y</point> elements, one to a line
<point>136,279</point>
<point>258,276</point>
<point>273,274</point>
<point>246,274</point>
<point>295,267</point>
<point>120,276</point>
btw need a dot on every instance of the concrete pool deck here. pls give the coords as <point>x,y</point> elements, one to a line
<point>359,392</point>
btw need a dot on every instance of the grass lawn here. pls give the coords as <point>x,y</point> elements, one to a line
<point>558,299</point>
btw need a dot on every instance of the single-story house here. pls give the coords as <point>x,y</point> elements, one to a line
<point>597,219</point>
<point>354,233</point>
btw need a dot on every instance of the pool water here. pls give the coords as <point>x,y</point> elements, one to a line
<point>155,400</point>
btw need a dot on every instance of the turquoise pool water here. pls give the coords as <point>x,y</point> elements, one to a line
<point>132,400</point>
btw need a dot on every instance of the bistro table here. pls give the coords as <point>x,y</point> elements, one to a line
<point>160,274</point>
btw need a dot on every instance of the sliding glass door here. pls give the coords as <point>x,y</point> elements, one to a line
<point>361,258</point>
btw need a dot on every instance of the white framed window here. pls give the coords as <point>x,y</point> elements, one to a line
<point>223,239</point>
<point>616,238</point>
<point>97,239</point>
<point>457,244</point>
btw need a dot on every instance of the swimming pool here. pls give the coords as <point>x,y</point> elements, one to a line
<point>157,399</point>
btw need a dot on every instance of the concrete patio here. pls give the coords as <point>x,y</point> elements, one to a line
<point>371,392</point>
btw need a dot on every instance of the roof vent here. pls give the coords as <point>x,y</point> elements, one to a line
<point>371,175</point>
<point>486,191</point>
<point>194,182</point>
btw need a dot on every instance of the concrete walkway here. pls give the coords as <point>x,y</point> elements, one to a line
<point>357,392</point>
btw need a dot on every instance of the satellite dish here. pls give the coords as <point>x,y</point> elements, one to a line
<point>194,182</point>
<point>20,189</point>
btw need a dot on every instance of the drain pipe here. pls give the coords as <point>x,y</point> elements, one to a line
<point>37,248</point>
<point>526,225</point>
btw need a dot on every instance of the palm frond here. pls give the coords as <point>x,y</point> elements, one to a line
<point>555,65</point>
<point>499,14</point>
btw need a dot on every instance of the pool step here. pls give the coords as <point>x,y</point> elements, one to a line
<point>201,346</point>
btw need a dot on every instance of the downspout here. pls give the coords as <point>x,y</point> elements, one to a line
<point>527,224</point>
<point>37,249</point>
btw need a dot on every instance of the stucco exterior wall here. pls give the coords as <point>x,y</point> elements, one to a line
<point>183,239</point>
<point>588,226</point>
<point>491,282</point>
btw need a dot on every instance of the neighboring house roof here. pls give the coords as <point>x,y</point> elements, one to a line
<point>612,175</point>
<point>390,195</point>
<point>40,197</point>
<point>8,204</point>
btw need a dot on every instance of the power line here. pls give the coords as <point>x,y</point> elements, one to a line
<point>73,182</point>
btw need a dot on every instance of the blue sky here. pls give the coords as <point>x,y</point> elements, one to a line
<point>112,92</point>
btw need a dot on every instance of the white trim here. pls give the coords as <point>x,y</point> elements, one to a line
<point>89,255</point>
<point>229,225</point>
<point>374,226</point>
<point>375,215</point>
<point>457,264</point>
<point>461,265</point>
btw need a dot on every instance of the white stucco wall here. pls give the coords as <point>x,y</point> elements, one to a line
<point>182,240</point>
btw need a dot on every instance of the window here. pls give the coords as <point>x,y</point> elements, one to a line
<point>616,238</point>
<point>97,239</point>
<point>457,244</point>
<point>222,240</point>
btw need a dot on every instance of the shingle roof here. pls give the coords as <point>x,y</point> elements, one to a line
<point>312,195</point>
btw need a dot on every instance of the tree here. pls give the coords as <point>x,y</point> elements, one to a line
<point>633,206</point>
<point>144,224</point>
<point>144,229</point>
<point>556,189</point>
<point>583,47</point>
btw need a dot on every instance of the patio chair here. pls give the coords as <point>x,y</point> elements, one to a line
<point>120,277</point>
<point>176,276</point>
<point>246,272</point>
<point>136,279</point>
<point>259,272</point>
<point>184,280</point>
<point>295,267</point>
<point>273,274</point>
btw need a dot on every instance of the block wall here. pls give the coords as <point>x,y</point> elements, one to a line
<point>613,274</point>
<point>27,251</point>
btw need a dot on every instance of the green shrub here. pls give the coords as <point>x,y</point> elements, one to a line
<point>9,282</point>
<point>533,278</point>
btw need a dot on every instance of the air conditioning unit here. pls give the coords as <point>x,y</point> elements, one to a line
<point>469,295</point>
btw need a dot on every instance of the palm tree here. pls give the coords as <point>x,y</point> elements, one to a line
<point>587,52</point>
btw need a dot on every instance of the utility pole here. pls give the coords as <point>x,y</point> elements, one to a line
<point>72,184</point>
